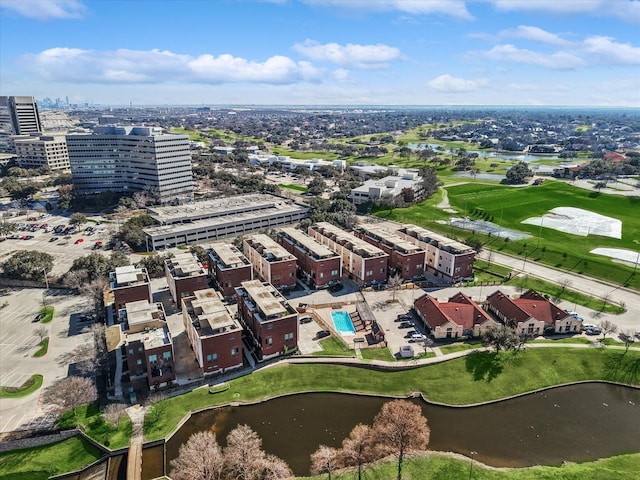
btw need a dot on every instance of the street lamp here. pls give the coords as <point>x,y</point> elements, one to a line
<point>472,453</point>
<point>46,280</point>
<point>525,259</point>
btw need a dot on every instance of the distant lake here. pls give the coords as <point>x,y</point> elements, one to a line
<point>515,156</point>
<point>482,176</point>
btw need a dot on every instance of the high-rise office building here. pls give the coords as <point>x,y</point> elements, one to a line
<point>35,151</point>
<point>128,159</point>
<point>22,113</point>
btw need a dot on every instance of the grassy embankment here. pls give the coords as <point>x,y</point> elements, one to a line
<point>44,348</point>
<point>508,207</point>
<point>95,426</point>
<point>28,387</point>
<point>48,314</point>
<point>479,377</point>
<point>442,466</point>
<point>43,462</point>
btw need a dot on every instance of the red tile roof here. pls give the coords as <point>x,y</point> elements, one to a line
<point>530,305</point>
<point>460,310</point>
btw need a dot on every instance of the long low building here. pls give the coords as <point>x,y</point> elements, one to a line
<point>220,218</point>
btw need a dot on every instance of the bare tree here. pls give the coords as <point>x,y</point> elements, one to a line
<point>69,393</point>
<point>243,454</point>
<point>95,290</point>
<point>41,332</point>
<point>274,468</point>
<point>200,458</point>
<point>114,412</point>
<point>75,279</point>
<point>607,327</point>
<point>399,428</point>
<point>324,460</point>
<point>358,449</point>
<point>394,282</point>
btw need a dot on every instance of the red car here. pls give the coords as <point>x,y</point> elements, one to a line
<point>80,240</point>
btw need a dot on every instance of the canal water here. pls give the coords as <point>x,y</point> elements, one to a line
<point>575,423</point>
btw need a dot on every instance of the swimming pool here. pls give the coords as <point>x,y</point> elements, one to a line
<point>342,322</point>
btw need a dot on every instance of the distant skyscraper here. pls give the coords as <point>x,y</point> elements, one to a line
<point>131,159</point>
<point>23,114</point>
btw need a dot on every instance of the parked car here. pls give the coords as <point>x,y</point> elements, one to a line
<point>592,331</point>
<point>306,320</point>
<point>80,240</point>
<point>37,318</point>
<point>411,332</point>
<point>637,334</point>
<point>406,325</point>
<point>417,337</point>
<point>53,239</point>
<point>323,333</point>
<point>404,316</point>
<point>625,338</point>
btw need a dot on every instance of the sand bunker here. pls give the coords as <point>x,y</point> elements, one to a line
<point>578,222</point>
<point>488,228</point>
<point>627,256</point>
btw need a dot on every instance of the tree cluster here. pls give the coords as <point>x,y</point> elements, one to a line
<point>70,393</point>
<point>132,233</point>
<point>202,458</point>
<point>27,265</point>
<point>399,428</point>
<point>518,174</point>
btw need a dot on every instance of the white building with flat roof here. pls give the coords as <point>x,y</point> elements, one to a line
<point>220,218</point>
<point>35,151</point>
<point>128,159</point>
<point>386,188</point>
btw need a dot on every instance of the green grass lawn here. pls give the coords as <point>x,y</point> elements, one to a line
<point>441,466</point>
<point>334,347</point>
<point>459,347</point>
<point>44,348</point>
<point>479,377</point>
<point>97,428</point>
<point>377,354</point>
<point>582,340</point>
<point>28,387</point>
<point>194,135</point>
<point>48,314</point>
<point>42,462</point>
<point>291,186</point>
<point>508,206</point>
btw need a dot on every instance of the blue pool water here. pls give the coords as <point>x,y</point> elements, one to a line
<point>342,322</point>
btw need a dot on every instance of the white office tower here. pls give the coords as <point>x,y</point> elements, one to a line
<point>22,114</point>
<point>18,116</point>
<point>128,159</point>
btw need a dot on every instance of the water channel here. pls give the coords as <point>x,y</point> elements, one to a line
<point>514,156</point>
<point>575,423</point>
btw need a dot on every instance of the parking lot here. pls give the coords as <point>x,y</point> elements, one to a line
<point>65,248</point>
<point>18,343</point>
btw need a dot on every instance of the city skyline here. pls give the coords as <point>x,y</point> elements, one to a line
<point>323,52</point>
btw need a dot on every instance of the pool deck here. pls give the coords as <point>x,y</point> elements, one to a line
<point>324,314</point>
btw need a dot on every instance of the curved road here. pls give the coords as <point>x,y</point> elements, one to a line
<point>630,320</point>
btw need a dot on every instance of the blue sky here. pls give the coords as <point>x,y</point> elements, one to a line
<point>323,52</point>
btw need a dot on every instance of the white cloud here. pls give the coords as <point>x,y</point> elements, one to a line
<point>453,8</point>
<point>449,84</point>
<point>558,60</point>
<point>341,75</point>
<point>610,52</point>
<point>628,10</point>
<point>45,9</point>
<point>156,66</point>
<point>352,55</point>
<point>536,34</point>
